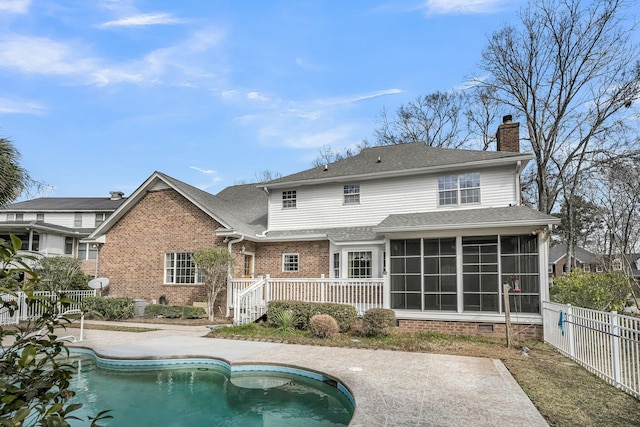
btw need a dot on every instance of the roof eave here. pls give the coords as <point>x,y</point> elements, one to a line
<point>468,226</point>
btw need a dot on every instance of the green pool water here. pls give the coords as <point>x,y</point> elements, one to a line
<point>205,395</point>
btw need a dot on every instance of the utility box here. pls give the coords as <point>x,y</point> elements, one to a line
<point>138,307</point>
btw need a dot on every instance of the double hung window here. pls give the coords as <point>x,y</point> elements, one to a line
<point>459,189</point>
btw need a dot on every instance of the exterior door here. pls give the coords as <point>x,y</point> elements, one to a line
<point>248,266</point>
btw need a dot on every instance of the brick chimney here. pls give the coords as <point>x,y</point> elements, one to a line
<point>508,135</point>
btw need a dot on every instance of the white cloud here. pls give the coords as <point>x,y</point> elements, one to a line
<point>8,106</point>
<point>204,171</point>
<point>359,97</point>
<point>442,7</point>
<point>256,96</point>
<point>43,56</point>
<point>15,6</point>
<point>181,64</point>
<point>142,20</point>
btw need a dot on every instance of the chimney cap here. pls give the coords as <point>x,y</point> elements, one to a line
<point>116,195</point>
<point>507,118</point>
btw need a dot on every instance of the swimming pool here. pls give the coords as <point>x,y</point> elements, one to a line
<point>206,392</point>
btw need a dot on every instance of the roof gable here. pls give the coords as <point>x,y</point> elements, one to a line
<point>224,211</point>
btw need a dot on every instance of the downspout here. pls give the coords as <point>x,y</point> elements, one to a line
<point>229,290</point>
<point>518,198</point>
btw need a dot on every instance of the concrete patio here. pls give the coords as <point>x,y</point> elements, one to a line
<point>391,388</point>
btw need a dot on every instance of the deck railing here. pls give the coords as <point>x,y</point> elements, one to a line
<point>605,343</point>
<point>363,294</point>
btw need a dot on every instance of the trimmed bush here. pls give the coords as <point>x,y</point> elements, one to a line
<point>193,312</point>
<point>345,315</point>
<point>323,326</point>
<point>378,322</point>
<point>109,308</point>
<point>160,310</point>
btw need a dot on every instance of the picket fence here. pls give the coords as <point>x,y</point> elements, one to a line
<point>605,343</point>
<point>24,311</point>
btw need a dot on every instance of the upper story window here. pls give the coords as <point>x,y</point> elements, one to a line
<point>179,268</point>
<point>100,217</point>
<point>289,199</point>
<point>19,217</point>
<point>77,219</point>
<point>352,193</point>
<point>459,189</point>
<point>290,262</point>
<point>40,217</point>
<point>11,217</point>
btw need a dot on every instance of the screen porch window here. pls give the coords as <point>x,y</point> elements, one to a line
<point>519,264</point>
<point>360,265</point>
<point>459,189</point>
<point>352,193</point>
<point>289,199</point>
<point>290,263</point>
<point>179,268</point>
<point>481,285</point>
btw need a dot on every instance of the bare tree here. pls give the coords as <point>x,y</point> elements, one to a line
<point>328,155</point>
<point>264,176</point>
<point>435,119</point>
<point>482,113</point>
<point>213,264</point>
<point>570,70</point>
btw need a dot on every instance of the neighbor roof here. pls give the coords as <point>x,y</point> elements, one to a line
<point>65,204</point>
<point>582,255</point>
<point>396,160</point>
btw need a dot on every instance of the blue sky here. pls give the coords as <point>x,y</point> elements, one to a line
<point>96,95</point>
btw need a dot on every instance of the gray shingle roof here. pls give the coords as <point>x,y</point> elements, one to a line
<point>61,204</point>
<point>241,207</point>
<point>465,218</point>
<point>582,255</point>
<point>345,234</point>
<point>394,159</point>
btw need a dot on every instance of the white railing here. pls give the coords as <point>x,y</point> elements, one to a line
<point>235,286</point>
<point>605,343</point>
<point>249,303</point>
<point>26,311</point>
<point>363,294</point>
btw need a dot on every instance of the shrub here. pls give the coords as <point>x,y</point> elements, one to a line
<point>193,312</point>
<point>323,326</point>
<point>597,291</point>
<point>160,310</point>
<point>345,315</point>
<point>378,322</point>
<point>109,308</point>
<point>284,320</point>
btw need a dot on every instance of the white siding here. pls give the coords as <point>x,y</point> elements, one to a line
<point>321,206</point>
<point>64,219</point>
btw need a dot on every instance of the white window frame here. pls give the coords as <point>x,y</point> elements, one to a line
<point>351,194</point>
<point>11,217</point>
<point>77,220</point>
<point>336,265</point>
<point>586,268</point>
<point>289,199</point>
<point>88,250</point>
<point>616,265</point>
<point>100,218</point>
<point>454,190</point>
<point>172,279</point>
<point>351,269</point>
<point>599,269</point>
<point>289,265</point>
<point>19,217</point>
<point>40,217</point>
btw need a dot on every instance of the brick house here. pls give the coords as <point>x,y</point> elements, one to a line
<point>438,230</point>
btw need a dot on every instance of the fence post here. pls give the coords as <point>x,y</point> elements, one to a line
<point>569,323</point>
<point>615,348</point>
<point>267,290</point>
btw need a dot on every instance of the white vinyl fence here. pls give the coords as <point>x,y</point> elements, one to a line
<point>24,311</point>
<point>605,343</point>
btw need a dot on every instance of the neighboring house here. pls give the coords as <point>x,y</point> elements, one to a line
<point>442,229</point>
<point>55,226</point>
<point>584,260</point>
